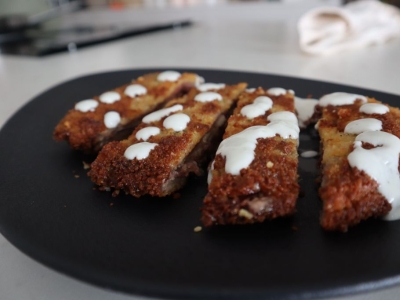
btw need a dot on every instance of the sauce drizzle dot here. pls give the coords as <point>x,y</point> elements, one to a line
<point>139,151</point>
<point>86,105</point>
<point>112,119</point>
<point>109,97</point>
<point>168,76</point>
<point>361,125</point>
<point>134,90</point>
<point>258,108</point>
<point>207,97</point>
<point>276,91</point>
<point>177,122</point>
<point>210,86</point>
<point>159,114</point>
<point>374,108</point>
<point>145,133</point>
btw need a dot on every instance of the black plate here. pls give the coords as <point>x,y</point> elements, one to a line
<point>148,246</point>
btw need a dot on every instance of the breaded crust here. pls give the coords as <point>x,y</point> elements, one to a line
<point>268,188</point>
<point>166,168</point>
<point>348,194</point>
<point>86,131</point>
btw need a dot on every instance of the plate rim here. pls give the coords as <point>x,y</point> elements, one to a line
<point>184,292</point>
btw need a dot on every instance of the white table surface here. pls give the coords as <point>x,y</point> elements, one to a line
<point>258,37</point>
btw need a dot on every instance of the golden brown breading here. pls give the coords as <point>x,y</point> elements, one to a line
<point>86,131</point>
<point>177,153</point>
<point>268,188</point>
<point>348,194</point>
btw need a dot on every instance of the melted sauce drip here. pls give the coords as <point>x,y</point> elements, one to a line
<point>381,164</point>
<point>305,109</point>
<point>239,149</point>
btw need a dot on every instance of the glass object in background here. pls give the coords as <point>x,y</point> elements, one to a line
<point>35,35</point>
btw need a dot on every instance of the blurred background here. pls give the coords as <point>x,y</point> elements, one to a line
<point>42,27</point>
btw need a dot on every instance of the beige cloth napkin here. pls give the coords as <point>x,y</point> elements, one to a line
<point>358,24</point>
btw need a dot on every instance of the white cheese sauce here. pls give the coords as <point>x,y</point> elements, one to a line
<point>309,154</point>
<point>285,116</point>
<point>374,108</point>
<point>109,97</point>
<point>86,105</point>
<point>381,164</point>
<point>238,149</point>
<point>210,86</point>
<point>276,91</point>
<point>207,97</point>
<point>112,119</point>
<point>361,125</point>
<point>159,114</point>
<point>251,90</point>
<point>134,90</point>
<point>145,133</point>
<point>139,151</point>
<point>177,122</point>
<point>168,76</point>
<point>258,108</point>
<point>305,109</point>
<point>339,98</point>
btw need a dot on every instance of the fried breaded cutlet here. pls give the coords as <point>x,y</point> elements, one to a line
<point>113,115</point>
<point>360,160</point>
<point>254,174</point>
<point>168,145</point>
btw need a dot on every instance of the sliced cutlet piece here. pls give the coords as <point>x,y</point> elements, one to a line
<point>360,160</point>
<point>254,174</point>
<point>113,115</point>
<point>168,145</point>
